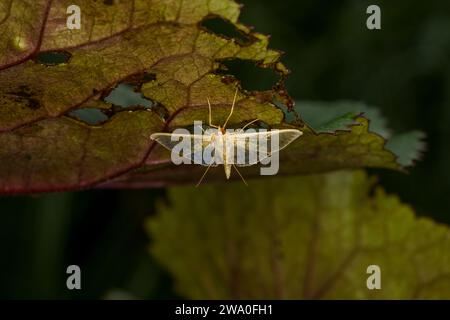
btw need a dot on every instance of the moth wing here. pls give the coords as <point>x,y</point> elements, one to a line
<point>248,142</point>
<point>243,144</point>
<point>286,137</point>
<point>170,140</point>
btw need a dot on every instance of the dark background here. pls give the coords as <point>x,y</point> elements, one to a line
<point>403,69</point>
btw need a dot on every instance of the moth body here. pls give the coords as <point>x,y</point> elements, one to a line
<point>226,165</point>
<point>228,146</point>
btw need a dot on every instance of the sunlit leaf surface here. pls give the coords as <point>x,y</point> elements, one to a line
<point>159,49</point>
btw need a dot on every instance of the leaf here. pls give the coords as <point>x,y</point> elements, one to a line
<point>408,146</point>
<point>340,115</point>
<point>173,47</point>
<point>309,237</point>
<point>332,116</point>
<point>43,150</point>
<point>78,154</point>
<point>51,141</point>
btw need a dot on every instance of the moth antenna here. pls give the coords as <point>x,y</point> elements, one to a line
<point>253,121</point>
<point>210,115</point>
<point>203,176</point>
<point>240,175</point>
<point>232,109</point>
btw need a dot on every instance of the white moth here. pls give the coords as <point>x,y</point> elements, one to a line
<point>229,146</point>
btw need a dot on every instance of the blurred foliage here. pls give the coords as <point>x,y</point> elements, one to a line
<point>404,69</point>
<point>307,237</point>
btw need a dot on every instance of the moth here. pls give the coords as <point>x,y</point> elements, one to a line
<point>228,145</point>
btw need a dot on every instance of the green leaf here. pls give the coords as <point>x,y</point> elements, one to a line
<point>310,237</point>
<point>408,147</point>
<point>340,115</point>
<point>50,141</point>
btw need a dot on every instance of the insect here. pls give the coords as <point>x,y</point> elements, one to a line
<point>226,142</point>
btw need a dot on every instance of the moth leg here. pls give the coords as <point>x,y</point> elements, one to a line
<point>232,109</point>
<point>210,117</point>
<point>240,175</point>
<point>253,121</point>
<point>203,176</point>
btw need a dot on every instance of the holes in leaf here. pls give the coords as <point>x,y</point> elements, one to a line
<point>252,77</point>
<point>53,58</point>
<point>89,115</point>
<point>121,97</point>
<point>125,96</point>
<point>224,28</point>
